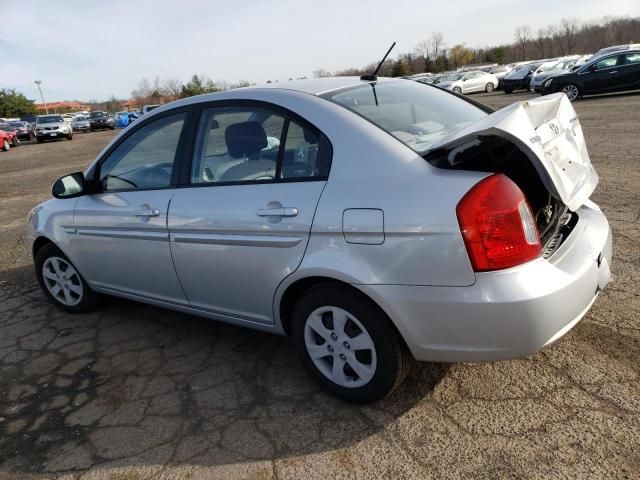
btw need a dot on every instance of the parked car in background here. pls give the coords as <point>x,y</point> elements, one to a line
<point>52,127</point>
<point>100,121</point>
<point>81,124</point>
<point>147,108</point>
<point>469,82</point>
<point>68,117</point>
<point>616,48</point>
<point>611,72</point>
<point>23,130</point>
<point>500,71</point>
<point>9,135</point>
<point>422,77</point>
<point>519,78</point>
<point>550,69</point>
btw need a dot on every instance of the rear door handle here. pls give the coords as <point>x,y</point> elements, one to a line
<point>147,213</point>
<point>277,212</point>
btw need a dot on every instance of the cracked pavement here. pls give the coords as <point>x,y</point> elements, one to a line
<point>135,392</point>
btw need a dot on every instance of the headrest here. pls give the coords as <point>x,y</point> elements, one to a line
<point>245,139</point>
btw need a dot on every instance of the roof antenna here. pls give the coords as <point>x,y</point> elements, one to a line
<point>373,77</point>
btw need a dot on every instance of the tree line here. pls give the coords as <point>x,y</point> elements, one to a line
<point>569,36</point>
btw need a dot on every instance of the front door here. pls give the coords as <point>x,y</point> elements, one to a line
<point>122,242</point>
<point>604,76</point>
<point>244,223</point>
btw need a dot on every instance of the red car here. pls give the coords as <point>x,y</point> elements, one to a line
<point>8,137</point>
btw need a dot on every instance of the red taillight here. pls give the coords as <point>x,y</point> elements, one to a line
<point>497,225</point>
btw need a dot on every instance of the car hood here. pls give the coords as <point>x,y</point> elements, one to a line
<point>548,131</point>
<point>551,73</point>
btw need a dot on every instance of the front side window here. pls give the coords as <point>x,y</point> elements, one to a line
<point>606,63</point>
<point>417,115</point>
<point>144,160</point>
<point>252,144</point>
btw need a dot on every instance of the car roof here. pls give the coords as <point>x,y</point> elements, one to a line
<point>318,86</point>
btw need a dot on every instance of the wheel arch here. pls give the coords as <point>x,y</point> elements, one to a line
<point>40,242</point>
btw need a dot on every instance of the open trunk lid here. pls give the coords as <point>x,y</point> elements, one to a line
<point>547,130</point>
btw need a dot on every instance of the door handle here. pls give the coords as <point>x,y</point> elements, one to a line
<point>615,71</point>
<point>277,212</point>
<point>147,213</point>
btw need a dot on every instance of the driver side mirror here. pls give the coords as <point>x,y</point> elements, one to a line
<point>69,186</point>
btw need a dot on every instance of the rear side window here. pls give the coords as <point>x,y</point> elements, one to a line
<point>632,58</point>
<point>253,144</point>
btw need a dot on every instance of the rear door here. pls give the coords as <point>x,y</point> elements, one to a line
<point>630,71</point>
<point>243,223</point>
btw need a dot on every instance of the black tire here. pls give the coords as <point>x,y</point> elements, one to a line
<point>70,136</point>
<point>39,140</point>
<point>5,145</point>
<point>393,357</point>
<point>489,87</point>
<point>508,90</point>
<point>14,142</point>
<point>89,299</point>
<point>457,90</point>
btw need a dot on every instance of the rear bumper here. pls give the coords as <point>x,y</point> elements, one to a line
<point>505,314</point>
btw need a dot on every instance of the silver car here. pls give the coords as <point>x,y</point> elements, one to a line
<point>469,82</point>
<point>375,222</point>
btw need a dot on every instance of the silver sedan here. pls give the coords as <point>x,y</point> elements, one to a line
<point>374,221</point>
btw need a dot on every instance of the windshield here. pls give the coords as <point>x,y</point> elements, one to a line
<point>98,114</point>
<point>80,118</point>
<point>5,127</point>
<point>17,124</point>
<point>566,65</point>
<point>416,114</point>
<point>545,67</point>
<point>50,119</point>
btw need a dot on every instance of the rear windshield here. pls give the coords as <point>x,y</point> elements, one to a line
<point>98,114</point>
<point>418,115</point>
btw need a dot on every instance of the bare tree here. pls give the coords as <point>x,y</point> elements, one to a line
<point>569,27</point>
<point>541,38</point>
<point>320,73</point>
<point>171,88</point>
<point>437,44</point>
<point>523,35</point>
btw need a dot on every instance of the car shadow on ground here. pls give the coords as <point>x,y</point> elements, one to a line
<point>136,385</point>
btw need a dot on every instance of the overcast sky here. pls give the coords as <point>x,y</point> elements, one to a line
<point>90,50</point>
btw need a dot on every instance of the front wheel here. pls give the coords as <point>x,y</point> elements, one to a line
<point>14,142</point>
<point>571,91</point>
<point>5,145</point>
<point>70,136</point>
<point>61,282</point>
<point>348,344</point>
<point>457,90</point>
<point>489,87</point>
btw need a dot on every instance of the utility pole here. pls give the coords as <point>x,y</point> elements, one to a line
<point>38,82</point>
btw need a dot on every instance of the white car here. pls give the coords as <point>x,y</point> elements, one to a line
<point>469,82</point>
<point>374,221</point>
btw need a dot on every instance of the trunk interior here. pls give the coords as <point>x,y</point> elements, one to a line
<point>499,155</point>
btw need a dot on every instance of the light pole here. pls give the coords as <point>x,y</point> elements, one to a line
<point>38,82</point>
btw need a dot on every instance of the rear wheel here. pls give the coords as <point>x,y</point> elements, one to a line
<point>571,91</point>
<point>489,87</point>
<point>508,90</point>
<point>457,90</point>
<point>348,344</point>
<point>61,282</point>
<point>14,142</point>
<point>5,145</point>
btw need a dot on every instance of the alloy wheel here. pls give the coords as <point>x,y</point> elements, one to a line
<point>340,347</point>
<point>62,281</point>
<point>571,91</point>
